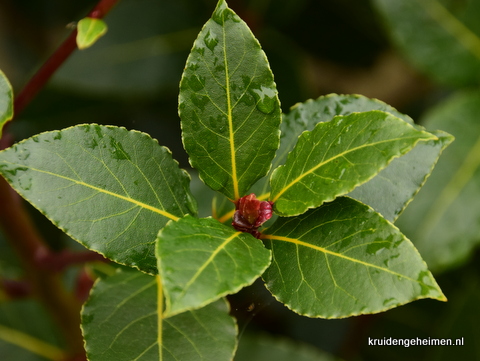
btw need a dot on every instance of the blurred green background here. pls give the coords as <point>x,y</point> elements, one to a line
<point>422,57</point>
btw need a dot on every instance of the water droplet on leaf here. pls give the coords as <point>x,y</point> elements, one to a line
<point>117,150</point>
<point>210,40</point>
<point>266,99</point>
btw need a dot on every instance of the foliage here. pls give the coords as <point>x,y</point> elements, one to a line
<point>338,170</point>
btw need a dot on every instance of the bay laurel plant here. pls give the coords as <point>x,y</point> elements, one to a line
<point>305,200</point>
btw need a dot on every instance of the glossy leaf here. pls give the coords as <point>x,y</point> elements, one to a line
<point>397,183</point>
<point>6,101</point>
<point>394,187</point>
<point>304,116</point>
<point>441,38</point>
<point>443,221</point>
<point>108,188</point>
<point>123,321</point>
<point>229,106</point>
<point>201,260</point>
<point>343,259</point>
<point>89,30</point>
<point>337,156</point>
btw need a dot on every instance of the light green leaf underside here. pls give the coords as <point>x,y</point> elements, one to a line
<point>89,30</point>
<point>427,30</point>
<point>109,188</point>
<point>121,322</point>
<point>6,101</point>
<point>394,187</point>
<point>201,260</point>
<point>343,259</point>
<point>337,156</point>
<point>443,219</point>
<point>229,106</point>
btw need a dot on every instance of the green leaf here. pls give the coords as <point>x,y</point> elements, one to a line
<point>436,34</point>
<point>123,321</point>
<point>304,116</point>
<point>394,187</point>
<point>229,106</point>
<point>397,183</point>
<point>443,221</point>
<point>339,155</point>
<point>201,260</point>
<point>108,188</point>
<point>342,259</point>
<point>89,30</point>
<point>6,101</point>
<point>146,55</point>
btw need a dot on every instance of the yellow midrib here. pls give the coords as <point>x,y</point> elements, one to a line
<point>326,251</point>
<point>313,169</point>
<point>206,263</point>
<point>231,133</point>
<point>128,199</point>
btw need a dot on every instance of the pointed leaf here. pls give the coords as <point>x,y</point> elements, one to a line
<point>394,187</point>
<point>123,321</point>
<point>398,182</point>
<point>339,155</point>
<point>201,260</point>
<point>6,101</point>
<point>443,221</point>
<point>109,188</point>
<point>229,106</point>
<point>343,259</point>
<point>427,30</point>
<point>89,31</point>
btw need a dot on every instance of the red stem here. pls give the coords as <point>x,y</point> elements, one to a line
<point>38,81</point>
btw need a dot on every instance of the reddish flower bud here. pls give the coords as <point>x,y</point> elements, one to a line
<point>250,214</point>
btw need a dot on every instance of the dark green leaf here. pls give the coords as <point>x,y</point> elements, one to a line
<point>337,156</point>
<point>123,321</point>
<point>109,188</point>
<point>397,183</point>
<point>343,259</point>
<point>229,106</point>
<point>443,221</point>
<point>201,260</point>
<point>89,31</point>
<point>441,38</point>
<point>6,101</point>
<point>304,116</point>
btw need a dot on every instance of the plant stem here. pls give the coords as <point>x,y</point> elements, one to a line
<point>46,284</point>
<point>38,81</point>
